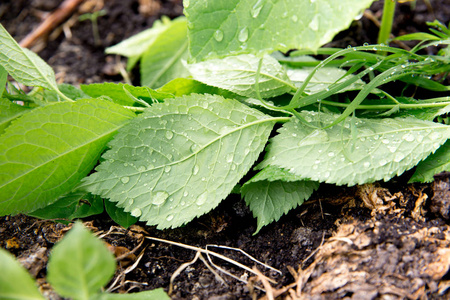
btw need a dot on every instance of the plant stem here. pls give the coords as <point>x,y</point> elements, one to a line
<point>386,21</point>
<point>389,106</point>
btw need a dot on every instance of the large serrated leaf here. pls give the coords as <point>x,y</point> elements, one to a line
<point>218,28</point>
<point>23,65</point>
<point>162,61</point>
<point>273,192</point>
<point>355,151</point>
<point>80,265</point>
<point>180,158</point>
<point>15,281</point>
<point>238,75</point>
<point>46,152</point>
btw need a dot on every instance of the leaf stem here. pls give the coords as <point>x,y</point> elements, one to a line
<point>386,21</point>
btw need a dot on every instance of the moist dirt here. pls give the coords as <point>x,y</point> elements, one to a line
<point>379,241</point>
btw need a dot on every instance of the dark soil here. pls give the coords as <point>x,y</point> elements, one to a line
<point>383,241</point>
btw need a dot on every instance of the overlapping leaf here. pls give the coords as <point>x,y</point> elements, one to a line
<point>434,164</point>
<point>180,158</point>
<point>8,112</point>
<point>238,75</point>
<point>23,65</point>
<point>355,151</point>
<point>274,192</point>
<point>218,28</point>
<point>46,152</point>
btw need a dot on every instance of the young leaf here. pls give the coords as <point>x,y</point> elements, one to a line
<point>3,80</point>
<point>118,92</point>
<point>237,74</point>
<point>162,61</point>
<point>15,282</point>
<point>354,151</point>
<point>254,26</point>
<point>46,152</point>
<point>8,112</point>
<point>274,192</point>
<point>156,294</point>
<point>119,216</point>
<point>434,164</point>
<point>185,86</point>
<point>23,65</point>
<point>180,158</point>
<point>80,265</point>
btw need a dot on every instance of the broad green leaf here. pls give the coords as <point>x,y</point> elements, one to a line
<point>180,158</point>
<point>80,265</point>
<point>219,28</point>
<point>185,86</point>
<point>156,294</point>
<point>122,218</point>
<point>118,92</point>
<point>15,282</point>
<point>8,112</point>
<point>322,79</point>
<point>238,75</point>
<point>136,45</point>
<point>162,61</point>
<point>24,65</point>
<point>46,152</point>
<point>355,151</point>
<point>273,192</point>
<point>434,164</point>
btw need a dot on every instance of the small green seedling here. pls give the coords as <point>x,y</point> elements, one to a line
<point>93,17</point>
<point>79,267</point>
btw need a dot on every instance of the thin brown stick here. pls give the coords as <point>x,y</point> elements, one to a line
<point>53,20</point>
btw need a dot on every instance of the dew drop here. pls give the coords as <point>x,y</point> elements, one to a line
<point>294,18</point>
<point>229,157</point>
<point>218,35</point>
<point>169,135</point>
<point>195,148</point>
<point>384,141</point>
<point>233,167</point>
<point>136,212</point>
<point>186,3</point>
<point>314,24</point>
<point>141,169</point>
<point>434,136</point>
<point>167,169</point>
<point>125,179</point>
<point>243,35</point>
<point>202,199</point>
<point>331,154</point>
<point>399,156</point>
<point>366,164</point>
<point>383,162</point>
<point>408,137</point>
<point>246,151</point>
<point>169,218</point>
<point>185,194</point>
<point>256,9</point>
<point>160,197</point>
<point>196,169</point>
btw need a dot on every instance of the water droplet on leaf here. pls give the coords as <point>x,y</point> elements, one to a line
<point>202,199</point>
<point>314,24</point>
<point>196,169</point>
<point>160,197</point>
<point>294,18</point>
<point>229,157</point>
<point>243,35</point>
<point>169,134</point>
<point>169,218</point>
<point>256,9</point>
<point>125,179</point>
<point>218,35</point>
<point>136,212</point>
<point>167,169</point>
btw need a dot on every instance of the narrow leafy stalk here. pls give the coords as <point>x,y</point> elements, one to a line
<point>386,21</point>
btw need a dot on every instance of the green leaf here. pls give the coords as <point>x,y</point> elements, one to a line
<point>238,75</point>
<point>180,158</point>
<point>156,294</point>
<point>15,282</point>
<point>24,65</point>
<point>122,218</point>
<point>80,265</point>
<point>434,164</point>
<point>355,151</point>
<point>136,45</point>
<point>162,61</point>
<point>3,80</point>
<point>273,192</point>
<point>322,79</point>
<point>219,28</point>
<point>184,86</point>
<point>8,112</point>
<point>46,152</point>
<point>120,92</point>
<point>71,206</point>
